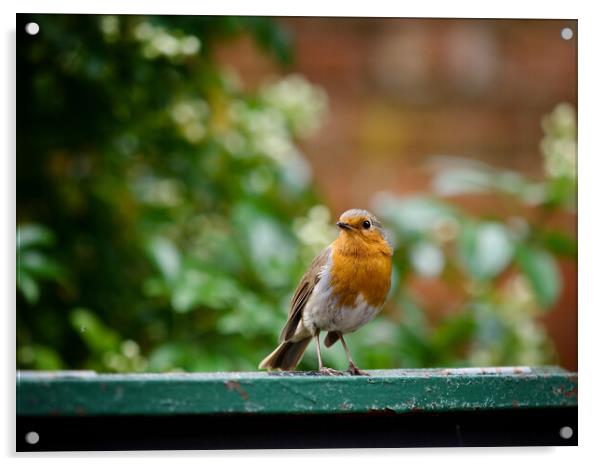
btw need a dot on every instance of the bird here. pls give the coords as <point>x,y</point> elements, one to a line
<point>345,286</point>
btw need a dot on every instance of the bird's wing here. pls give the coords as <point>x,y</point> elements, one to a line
<point>303,292</point>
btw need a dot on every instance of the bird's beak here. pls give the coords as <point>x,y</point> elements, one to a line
<point>344,226</point>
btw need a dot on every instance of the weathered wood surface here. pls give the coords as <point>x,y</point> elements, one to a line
<point>394,391</point>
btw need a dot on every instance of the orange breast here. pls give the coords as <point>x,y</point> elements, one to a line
<point>359,268</point>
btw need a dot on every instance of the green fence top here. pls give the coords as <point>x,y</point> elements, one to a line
<point>400,391</point>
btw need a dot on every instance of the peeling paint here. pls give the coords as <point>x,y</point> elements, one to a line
<point>234,385</point>
<point>571,393</point>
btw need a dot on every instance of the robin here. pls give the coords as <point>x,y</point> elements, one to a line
<point>344,288</point>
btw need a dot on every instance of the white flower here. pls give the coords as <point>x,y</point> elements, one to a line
<point>301,103</point>
<point>157,41</point>
<point>559,145</point>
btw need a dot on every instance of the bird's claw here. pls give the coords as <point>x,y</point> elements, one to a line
<point>355,371</point>
<point>329,371</point>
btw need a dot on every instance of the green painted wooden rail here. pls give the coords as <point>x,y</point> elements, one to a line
<point>384,391</point>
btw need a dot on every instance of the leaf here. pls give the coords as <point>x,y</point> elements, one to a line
<point>28,287</point>
<point>489,327</point>
<point>274,38</point>
<point>413,316</point>
<point>270,246</point>
<point>166,356</point>
<point>454,332</point>
<point>166,257</point>
<point>33,234</point>
<point>415,347</point>
<point>202,287</point>
<point>97,336</point>
<point>40,265</point>
<point>251,313</point>
<point>456,176</point>
<point>485,249</point>
<point>560,243</point>
<point>427,259</point>
<point>457,181</point>
<point>412,216</point>
<point>541,269</point>
<point>41,357</point>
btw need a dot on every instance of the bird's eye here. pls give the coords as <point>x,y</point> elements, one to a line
<point>366,224</point>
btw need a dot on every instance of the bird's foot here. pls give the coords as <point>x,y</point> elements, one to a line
<point>329,371</point>
<point>355,371</point>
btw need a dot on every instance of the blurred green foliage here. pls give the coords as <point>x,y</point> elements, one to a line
<point>165,214</point>
<point>503,268</point>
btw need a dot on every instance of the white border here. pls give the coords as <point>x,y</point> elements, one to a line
<point>382,8</point>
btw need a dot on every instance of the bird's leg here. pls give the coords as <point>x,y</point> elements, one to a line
<point>324,370</point>
<point>352,368</point>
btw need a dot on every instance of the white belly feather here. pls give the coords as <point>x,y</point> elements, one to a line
<point>322,311</point>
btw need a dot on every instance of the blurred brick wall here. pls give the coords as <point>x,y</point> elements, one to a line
<point>401,90</point>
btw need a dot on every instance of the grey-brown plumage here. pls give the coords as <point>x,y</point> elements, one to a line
<point>288,353</point>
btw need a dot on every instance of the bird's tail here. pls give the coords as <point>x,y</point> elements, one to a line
<point>286,356</point>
